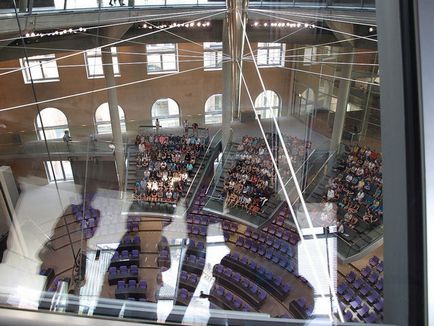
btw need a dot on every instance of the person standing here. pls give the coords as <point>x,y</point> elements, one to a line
<point>121,2</point>
<point>186,127</point>
<point>157,126</point>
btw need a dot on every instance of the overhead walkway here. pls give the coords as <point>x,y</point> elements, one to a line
<point>58,14</point>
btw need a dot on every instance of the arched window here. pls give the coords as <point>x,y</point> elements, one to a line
<point>265,101</point>
<point>102,119</point>
<point>213,109</point>
<point>166,111</point>
<point>307,101</point>
<point>53,122</point>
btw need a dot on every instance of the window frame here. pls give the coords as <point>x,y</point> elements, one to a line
<point>41,61</point>
<point>41,128</point>
<point>214,113</point>
<point>261,109</point>
<point>166,117</point>
<point>105,122</point>
<point>161,53</point>
<point>207,50</point>
<point>98,55</point>
<point>268,46</point>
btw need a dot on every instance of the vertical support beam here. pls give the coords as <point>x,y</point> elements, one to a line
<point>233,46</point>
<point>23,5</point>
<point>227,81</point>
<point>341,106</point>
<point>404,225</point>
<point>112,97</point>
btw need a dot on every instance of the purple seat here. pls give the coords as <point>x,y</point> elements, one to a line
<point>244,260</point>
<point>247,243</point>
<point>201,261</point>
<point>286,288</point>
<point>380,267</point>
<point>134,269</point>
<point>363,311</point>
<point>261,270</point>
<point>184,275</point>
<point>356,303</point>
<point>228,272</point>
<point>286,235</point>
<point>229,296</point>
<point>379,305</point>
<point>115,256</point>
<point>348,316</point>
<point>262,295</point>
<point>219,291</point>
<point>202,231</point>
<point>358,283</point>
<point>196,220</point>
<point>349,295</point>
<point>283,262</point>
<point>253,288</point>
<point>143,284</point>
<point>226,225</point>
<point>240,242</point>
<point>234,227</point>
<point>248,232</point>
<point>191,259</point>
<point>284,247</point>
<point>277,280</point>
<point>341,288</point>
<point>121,285</point>
<point>373,261</point>
<point>371,318</point>
<point>236,277</point>
<point>275,259</point>
<point>164,254</point>
<point>261,237</point>
<point>365,271</point>
<point>237,303</point>
<point>235,255</point>
<point>124,254</point>
<point>268,253</point>
<point>255,235</point>
<point>350,277</point>
<point>254,247</point>
<point>132,284</point>
<point>195,230</point>
<point>365,290</point>
<point>126,239</point>
<point>379,285</point>
<point>134,253</point>
<point>200,246</point>
<point>373,297</point>
<point>218,268</point>
<point>189,218</point>
<point>123,270</point>
<point>261,250</point>
<point>279,232</point>
<point>276,244</point>
<point>112,271</point>
<point>269,275</point>
<point>193,278</point>
<point>252,265</point>
<point>269,241</point>
<point>373,278</point>
<point>245,282</point>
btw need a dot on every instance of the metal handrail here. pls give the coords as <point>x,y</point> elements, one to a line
<point>222,161</point>
<point>299,168</point>
<point>201,163</point>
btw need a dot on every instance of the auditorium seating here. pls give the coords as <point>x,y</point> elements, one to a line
<point>131,289</point>
<point>226,299</point>
<point>361,293</point>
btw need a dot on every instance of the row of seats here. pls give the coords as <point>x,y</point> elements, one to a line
<point>229,300</point>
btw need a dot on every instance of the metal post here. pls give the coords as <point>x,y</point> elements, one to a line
<point>23,5</point>
<point>107,62</point>
<point>341,106</point>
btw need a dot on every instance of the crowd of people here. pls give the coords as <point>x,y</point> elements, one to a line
<point>167,162</point>
<point>250,181</point>
<point>358,187</point>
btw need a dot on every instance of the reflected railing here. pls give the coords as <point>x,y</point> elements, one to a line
<point>36,6</point>
<point>203,164</point>
<point>39,147</point>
